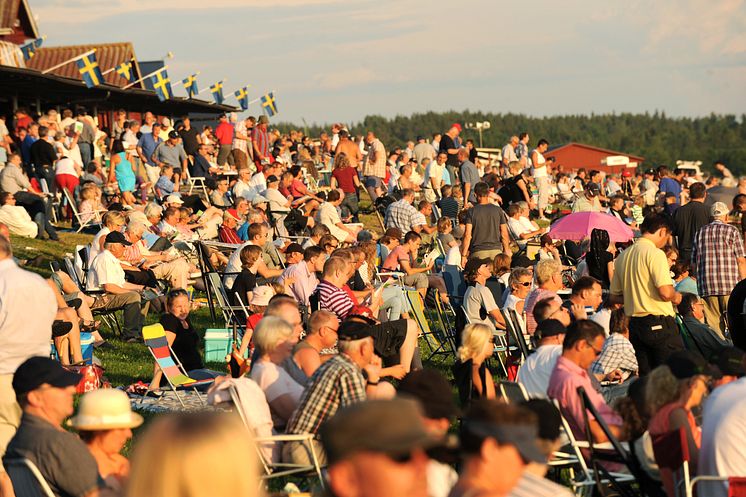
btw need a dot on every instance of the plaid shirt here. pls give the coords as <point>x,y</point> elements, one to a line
<point>337,383</point>
<point>717,246</point>
<point>402,215</point>
<point>375,161</point>
<point>618,353</point>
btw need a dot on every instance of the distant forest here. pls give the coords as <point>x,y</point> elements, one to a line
<point>656,137</point>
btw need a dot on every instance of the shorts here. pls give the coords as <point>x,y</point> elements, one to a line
<point>388,338</point>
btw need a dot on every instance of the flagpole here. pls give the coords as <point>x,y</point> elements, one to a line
<point>145,77</point>
<point>181,81</point>
<point>208,86</point>
<point>89,52</point>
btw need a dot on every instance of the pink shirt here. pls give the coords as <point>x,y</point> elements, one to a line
<point>563,386</point>
<point>536,295</point>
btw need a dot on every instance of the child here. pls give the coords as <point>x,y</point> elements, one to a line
<point>501,268</point>
<point>458,195</point>
<point>637,209</point>
<point>448,205</point>
<point>90,203</point>
<point>448,242</point>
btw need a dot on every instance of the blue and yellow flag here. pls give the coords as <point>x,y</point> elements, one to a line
<point>217,92</point>
<point>162,85</point>
<point>190,85</point>
<point>29,49</point>
<point>126,70</point>
<point>89,70</point>
<point>269,104</point>
<point>242,96</point>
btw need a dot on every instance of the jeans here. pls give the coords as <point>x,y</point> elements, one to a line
<point>394,302</point>
<point>349,206</point>
<point>86,153</point>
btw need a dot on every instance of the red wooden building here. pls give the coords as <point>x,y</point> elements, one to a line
<point>573,156</point>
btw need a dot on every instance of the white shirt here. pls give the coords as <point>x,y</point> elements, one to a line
<point>534,374</point>
<point>531,485</point>
<point>27,310</point>
<point>73,152</point>
<point>258,184</point>
<point>18,221</point>
<point>441,478</point>
<point>104,269</point>
<point>540,166</point>
<point>241,189</point>
<point>329,217</point>
<point>277,201</point>
<point>275,382</point>
<point>65,166</point>
<point>723,450</point>
<point>95,247</point>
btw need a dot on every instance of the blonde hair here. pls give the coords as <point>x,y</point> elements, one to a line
<point>270,332</point>
<point>545,269</point>
<point>113,218</point>
<point>89,192</point>
<point>205,454</point>
<point>662,388</point>
<point>473,340</point>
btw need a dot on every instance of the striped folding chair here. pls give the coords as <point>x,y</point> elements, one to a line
<point>178,379</point>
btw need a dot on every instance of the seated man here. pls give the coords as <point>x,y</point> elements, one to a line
<point>585,298</point>
<point>322,335</point>
<point>15,217</point>
<point>328,216</point>
<point>220,196</point>
<point>106,273</point>
<point>165,264</point>
<point>517,225</point>
<point>293,254</point>
<point>535,372</point>
<point>583,344</point>
<point>45,390</point>
<point>402,259</point>
<point>227,232</point>
<point>708,341</point>
<point>300,278</point>
<point>402,214</point>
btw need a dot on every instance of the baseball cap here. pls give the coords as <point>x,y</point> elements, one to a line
<point>473,264</point>
<point>730,361</point>
<point>263,119</point>
<point>353,330</point>
<point>685,364</point>
<point>432,390</point>
<point>626,173</point>
<point>37,371</point>
<point>173,134</point>
<point>393,427</point>
<point>294,248</point>
<point>650,171</point>
<point>116,237</point>
<point>456,125</point>
<point>719,209</point>
<point>550,328</point>
<point>174,199</point>
<point>272,179</point>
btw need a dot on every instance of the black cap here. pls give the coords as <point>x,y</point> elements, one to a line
<point>549,418</point>
<point>173,134</point>
<point>294,248</point>
<point>433,390</point>
<point>353,330</point>
<point>37,371</point>
<point>473,264</point>
<point>420,137</point>
<point>550,328</point>
<point>685,364</point>
<point>116,237</point>
<point>272,179</point>
<point>730,361</point>
<point>650,171</point>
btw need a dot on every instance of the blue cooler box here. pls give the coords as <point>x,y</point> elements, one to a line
<point>218,342</point>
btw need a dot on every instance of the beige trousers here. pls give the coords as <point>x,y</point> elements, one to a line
<point>715,307</point>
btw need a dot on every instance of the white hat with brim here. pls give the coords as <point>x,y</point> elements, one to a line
<point>105,409</point>
<point>174,199</point>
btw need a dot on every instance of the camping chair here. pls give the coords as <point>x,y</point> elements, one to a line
<point>516,332</point>
<point>500,346</point>
<point>93,221</point>
<point>686,336</point>
<point>155,339</point>
<point>196,181</point>
<point>454,280</point>
<point>445,323</point>
<point>26,478</point>
<point>279,469</point>
<point>512,392</point>
<point>672,452</point>
<point>224,303</point>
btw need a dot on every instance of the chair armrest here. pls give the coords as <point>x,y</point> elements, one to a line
<point>285,438</point>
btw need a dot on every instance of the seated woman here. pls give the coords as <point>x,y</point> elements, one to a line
<point>672,391</point>
<point>478,299</point>
<point>292,181</point>
<point>104,422</point>
<point>519,286</point>
<point>448,242</point>
<point>473,378</point>
<point>274,340</point>
<point>182,337</point>
<point>683,279</point>
<point>548,249</point>
<point>112,221</point>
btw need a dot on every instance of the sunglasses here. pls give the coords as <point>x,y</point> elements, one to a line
<point>401,458</point>
<point>525,283</point>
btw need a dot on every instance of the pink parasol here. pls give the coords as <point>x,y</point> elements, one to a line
<point>580,224</point>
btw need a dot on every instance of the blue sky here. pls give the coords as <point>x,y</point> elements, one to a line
<point>332,60</point>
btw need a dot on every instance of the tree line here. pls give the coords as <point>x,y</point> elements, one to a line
<point>656,137</point>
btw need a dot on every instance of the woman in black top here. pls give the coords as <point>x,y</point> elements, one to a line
<point>473,377</point>
<point>183,339</point>
<point>246,279</point>
<point>515,188</point>
<point>599,260</point>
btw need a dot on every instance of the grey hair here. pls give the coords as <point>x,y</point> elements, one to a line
<point>135,227</point>
<point>518,273</point>
<point>270,332</point>
<point>522,204</point>
<point>153,210</point>
<point>350,346</point>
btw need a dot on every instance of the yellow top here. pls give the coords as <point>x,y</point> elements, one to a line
<point>638,273</point>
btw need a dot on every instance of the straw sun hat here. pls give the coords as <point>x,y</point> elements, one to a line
<point>105,409</point>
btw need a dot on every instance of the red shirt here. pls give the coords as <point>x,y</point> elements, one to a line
<point>229,235</point>
<point>298,189</point>
<point>345,179</point>
<point>224,133</point>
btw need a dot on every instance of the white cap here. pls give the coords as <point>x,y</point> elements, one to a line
<point>174,199</point>
<point>719,209</point>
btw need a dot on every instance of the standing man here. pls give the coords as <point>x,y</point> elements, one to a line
<point>43,158</point>
<point>434,173</point>
<point>146,145</point>
<point>87,136</point>
<point>190,137</point>
<point>486,233</point>
<point>241,144</point>
<point>642,283</point>
<point>541,175</point>
<point>689,218</point>
<point>719,256</point>
<point>349,148</point>
<point>469,177</point>
<point>449,145</point>
<point>374,167</point>
<point>224,135</point>
<point>260,142</point>
<point>423,150</point>
<point>508,155</point>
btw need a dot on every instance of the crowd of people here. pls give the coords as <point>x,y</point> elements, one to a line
<point>330,344</point>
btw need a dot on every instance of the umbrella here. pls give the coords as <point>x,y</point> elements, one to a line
<point>580,224</point>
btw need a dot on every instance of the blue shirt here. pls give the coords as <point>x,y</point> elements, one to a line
<point>670,185</point>
<point>148,144</point>
<point>26,148</point>
<point>165,185</point>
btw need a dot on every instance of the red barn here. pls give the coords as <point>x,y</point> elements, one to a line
<point>573,156</point>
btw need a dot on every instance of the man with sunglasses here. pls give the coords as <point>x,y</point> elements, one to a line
<point>583,343</point>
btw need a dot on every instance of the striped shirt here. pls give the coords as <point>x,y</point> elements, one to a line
<point>716,250</point>
<point>334,299</point>
<point>337,383</point>
<point>531,485</point>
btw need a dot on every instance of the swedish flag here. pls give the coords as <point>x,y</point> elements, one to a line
<point>126,70</point>
<point>29,49</point>
<point>243,97</point>
<point>89,70</point>
<point>190,85</point>
<point>269,104</point>
<point>162,85</point>
<point>217,92</point>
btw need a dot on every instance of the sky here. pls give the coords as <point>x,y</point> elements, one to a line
<point>338,61</point>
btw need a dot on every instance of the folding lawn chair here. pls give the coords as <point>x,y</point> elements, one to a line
<point>229,311</point>
<point>512,392</point>
<point>500,347</point>
<point>155,339</point>
<point>198,182</point>
<point>92,221</point>
<point>26,478</point>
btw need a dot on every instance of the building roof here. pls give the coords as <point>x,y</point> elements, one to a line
<point>16,21</point>
<point>591,147</point>
<point>51,90</point>
<point>108,55</point>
